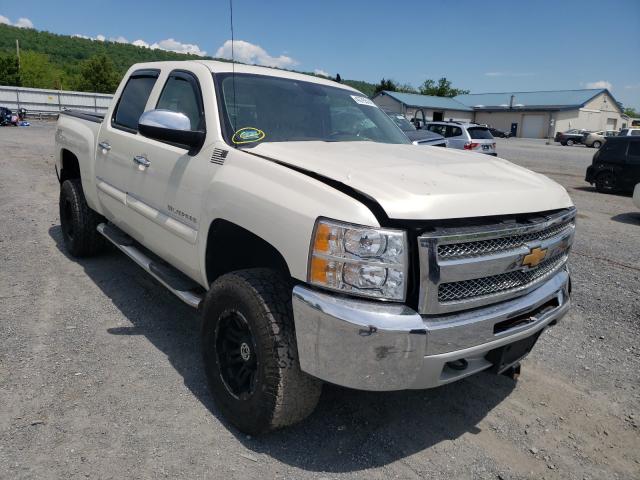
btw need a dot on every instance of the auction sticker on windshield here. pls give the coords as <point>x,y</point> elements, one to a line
<point>247,135</point>
<point>363,101</point>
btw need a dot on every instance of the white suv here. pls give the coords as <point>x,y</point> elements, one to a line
<point>629,132</point>
<point>466,136</point>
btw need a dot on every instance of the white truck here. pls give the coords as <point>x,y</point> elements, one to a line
<point>318,243</point>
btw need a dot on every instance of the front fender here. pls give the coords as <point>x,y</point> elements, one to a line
<point>278,204</point>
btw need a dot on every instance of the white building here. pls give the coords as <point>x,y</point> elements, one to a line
<point>526,114</point>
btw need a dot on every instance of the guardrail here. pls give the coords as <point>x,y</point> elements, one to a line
<point>40,102</point>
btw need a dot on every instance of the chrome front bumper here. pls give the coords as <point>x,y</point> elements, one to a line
<point>377,346</point>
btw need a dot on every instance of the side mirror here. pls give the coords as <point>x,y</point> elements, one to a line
<point>170,127</point>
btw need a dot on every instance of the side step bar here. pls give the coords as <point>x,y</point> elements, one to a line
<point>179,284</point>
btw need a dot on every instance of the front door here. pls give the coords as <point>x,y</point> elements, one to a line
<point>169,182</point>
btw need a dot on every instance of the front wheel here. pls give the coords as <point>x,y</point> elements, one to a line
<point>250,352</point>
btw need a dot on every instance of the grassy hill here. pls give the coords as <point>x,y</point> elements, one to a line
<point>55,61</point>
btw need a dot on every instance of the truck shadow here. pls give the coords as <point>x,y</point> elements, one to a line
<point>349,431</point>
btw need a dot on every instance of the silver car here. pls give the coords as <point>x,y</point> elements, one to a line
<point>466,136</point>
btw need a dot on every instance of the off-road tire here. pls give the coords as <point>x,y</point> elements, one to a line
<point>79,222</point>
<point>282,394</point>
<point>605,182</point>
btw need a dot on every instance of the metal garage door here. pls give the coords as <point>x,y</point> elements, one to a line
<point>533,126</point>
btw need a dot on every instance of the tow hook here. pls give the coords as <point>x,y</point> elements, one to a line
<point>461,364</point>
<point>513,372</point>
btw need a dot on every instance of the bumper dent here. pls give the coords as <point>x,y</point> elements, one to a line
<point>378,346</point>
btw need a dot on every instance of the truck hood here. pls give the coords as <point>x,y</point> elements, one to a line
<point>424,183</point>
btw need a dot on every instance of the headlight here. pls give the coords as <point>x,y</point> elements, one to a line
<point>363,261</point>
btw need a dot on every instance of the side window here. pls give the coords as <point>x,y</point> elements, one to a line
<point>614,152</point>
<point>439,129</point>
<point>182,94</point>
<point>635,133</point>
<point>634,153</point>
<point>133,100</point>
<point>454,131</point>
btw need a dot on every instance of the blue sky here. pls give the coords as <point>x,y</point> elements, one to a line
<point>484,46</point>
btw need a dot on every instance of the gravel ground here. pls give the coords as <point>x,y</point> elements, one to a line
<point>100,372</point>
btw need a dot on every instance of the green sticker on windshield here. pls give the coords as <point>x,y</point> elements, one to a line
<point>247,135</point>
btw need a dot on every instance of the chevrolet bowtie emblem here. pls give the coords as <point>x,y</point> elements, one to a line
<point>535,256</point>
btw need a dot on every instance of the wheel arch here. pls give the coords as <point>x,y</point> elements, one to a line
<point>232,247</point>
<point>69,166</point>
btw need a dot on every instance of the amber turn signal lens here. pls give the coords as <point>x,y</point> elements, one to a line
<point>323,235</point>
<point>319,270</point>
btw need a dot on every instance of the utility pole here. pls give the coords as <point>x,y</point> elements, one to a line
<point>18,53</point>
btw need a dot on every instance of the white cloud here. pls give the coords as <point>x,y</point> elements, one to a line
<point>22,22</point>
<point>169,44</point>
<point>175,46</point>
<point>249,53</point>
<point>632,87</point>
<point>319,71</point>
<point>509,74</point>
<point>599,84</point>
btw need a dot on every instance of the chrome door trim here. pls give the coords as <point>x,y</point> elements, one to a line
<point>170,224</point>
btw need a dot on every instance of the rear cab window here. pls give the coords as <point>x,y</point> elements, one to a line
<point>133,100</point>
<point>479,133</point>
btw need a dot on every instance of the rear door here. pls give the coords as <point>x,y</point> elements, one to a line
<point>456,136</point>
<point>117,139</point>
<point>632,167</point>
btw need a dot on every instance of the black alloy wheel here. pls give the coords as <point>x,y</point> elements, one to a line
<point>236,354</point>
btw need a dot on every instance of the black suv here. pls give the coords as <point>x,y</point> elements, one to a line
<point>616,166</point>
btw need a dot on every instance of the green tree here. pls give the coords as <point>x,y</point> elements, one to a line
<point>9,73</point>
<point>630,111</point>
<point>406,88</point>
<point>441,88</point>
<point>98,74</point>
<point>388,85</point>
<point>36,71</point>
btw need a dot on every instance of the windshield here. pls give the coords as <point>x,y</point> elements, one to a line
<point>404,124</point>
<point>479,133</point>
<point>259,108</point>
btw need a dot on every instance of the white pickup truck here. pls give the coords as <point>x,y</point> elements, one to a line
<point>318,243</point>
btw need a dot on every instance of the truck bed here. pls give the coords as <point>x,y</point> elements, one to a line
<point>91,116</point>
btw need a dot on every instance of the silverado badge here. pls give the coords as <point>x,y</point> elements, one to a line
<point>535,256</point>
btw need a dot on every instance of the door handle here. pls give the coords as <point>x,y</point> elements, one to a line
<point>105,146</point>
<point>141,160</point>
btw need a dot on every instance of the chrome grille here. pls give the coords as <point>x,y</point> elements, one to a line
<point>494,245</point>
<point>470,266</point>
<point>505,282</point>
